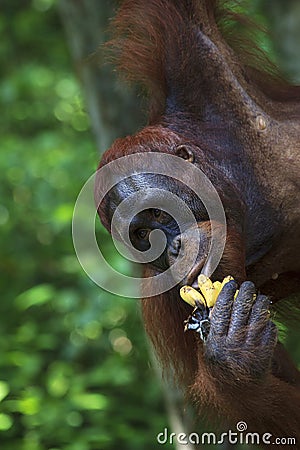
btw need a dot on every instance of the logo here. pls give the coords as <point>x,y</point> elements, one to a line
<point>88,251</point>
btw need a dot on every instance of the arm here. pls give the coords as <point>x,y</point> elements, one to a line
<point>244,377</point>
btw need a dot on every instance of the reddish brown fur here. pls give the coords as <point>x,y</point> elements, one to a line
<point>141,33</point>
<point>220,91</point>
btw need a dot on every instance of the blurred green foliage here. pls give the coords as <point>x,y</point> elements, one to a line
<point>74,364</point>
<point>74,370</point>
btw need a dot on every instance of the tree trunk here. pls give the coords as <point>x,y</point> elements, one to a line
<point>113,109</point>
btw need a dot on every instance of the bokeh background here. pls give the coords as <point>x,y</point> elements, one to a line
<point>75,367</point>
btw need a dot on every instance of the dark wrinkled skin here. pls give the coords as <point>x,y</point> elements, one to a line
<point>241,326</point>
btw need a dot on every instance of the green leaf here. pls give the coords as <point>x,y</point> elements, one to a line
<point>4,390</point>
<point>90,401</point>
<point>37,295</point>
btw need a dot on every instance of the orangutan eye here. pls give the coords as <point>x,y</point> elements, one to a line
<point>142,233</point>
<point>157,213</point>
<point>184,152</point>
